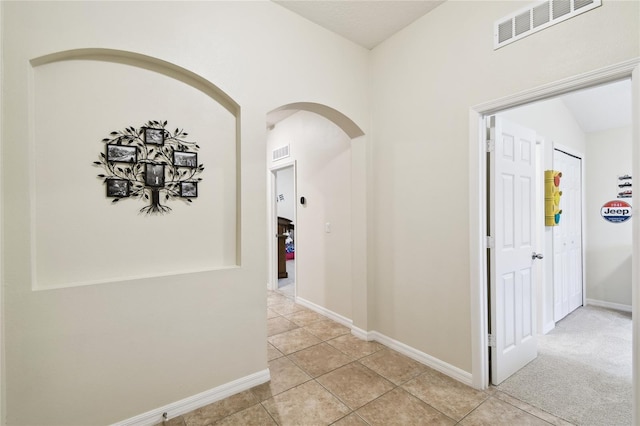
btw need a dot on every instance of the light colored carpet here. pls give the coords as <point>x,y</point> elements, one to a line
<point>286,285</point>
<point>583,370</point>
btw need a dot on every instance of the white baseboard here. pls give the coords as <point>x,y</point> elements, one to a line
<point>326,312</point>
<point>194,402</point>
<point>548,327</point>
<point>361,334</point>
<point>428,360</point>
<point>610,305</point>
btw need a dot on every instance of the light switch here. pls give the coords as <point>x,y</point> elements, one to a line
<point>327,227</point>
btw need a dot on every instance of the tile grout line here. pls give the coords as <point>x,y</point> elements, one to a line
<point>268,412</point>
<point>338,398</point>
<point>475,408</point>
<point>529,405</point>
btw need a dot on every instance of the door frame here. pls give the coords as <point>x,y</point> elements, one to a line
<point>272,227</point>
<point>541,241</point>
<point>583,210</point>
<point>478,195</point>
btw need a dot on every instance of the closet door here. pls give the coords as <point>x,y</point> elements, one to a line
<point>567,237</point>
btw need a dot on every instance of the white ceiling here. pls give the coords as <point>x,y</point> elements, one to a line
<point>364,22</point>
<point>368,23</point>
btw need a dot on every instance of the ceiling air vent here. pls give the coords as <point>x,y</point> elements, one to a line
<point>537,17</point>
<point>280,153</point>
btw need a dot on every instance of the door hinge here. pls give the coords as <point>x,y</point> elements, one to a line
<point>490,122</point>
<point>491,340</point>
<point>490,241</point>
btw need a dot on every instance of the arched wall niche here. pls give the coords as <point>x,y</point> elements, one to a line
<point>77,98</point>
<point>145,62</point>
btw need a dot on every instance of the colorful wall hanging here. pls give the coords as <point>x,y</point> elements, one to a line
<point>152,164</point>
<point>552,196</point>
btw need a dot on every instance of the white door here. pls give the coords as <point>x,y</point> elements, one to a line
<point>567,237</point>
<point>512,226</point>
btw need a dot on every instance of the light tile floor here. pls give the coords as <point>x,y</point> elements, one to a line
<point>322,375</point>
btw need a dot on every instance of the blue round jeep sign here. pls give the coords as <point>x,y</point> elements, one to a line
<point>616,211</point>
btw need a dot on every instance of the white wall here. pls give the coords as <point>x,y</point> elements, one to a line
<point>98,354</point>
<point>555,124</point>
<point>3,391</point>
<point>423,85</point>
<point>552,120</point>
<point>284,186</point>
<point>609,245</point>
<point>322,152</point>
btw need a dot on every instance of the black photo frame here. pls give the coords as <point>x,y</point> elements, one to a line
<point>118,188</point>
<point>153,136</point>
<point>154,175</point>
<point>121,153</point>
<point>185,159</point>
<point>189,189</point>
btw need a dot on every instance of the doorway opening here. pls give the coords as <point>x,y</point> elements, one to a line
<point>481,306</point>
<point>566,131</point>
<point>322,239</point>
<point>284,197</point>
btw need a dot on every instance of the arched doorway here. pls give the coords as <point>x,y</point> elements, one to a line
<point>315,142</point>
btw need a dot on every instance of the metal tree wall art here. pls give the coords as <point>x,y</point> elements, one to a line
<point>152,164</point>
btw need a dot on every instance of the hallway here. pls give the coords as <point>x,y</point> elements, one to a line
<point>321,375</point>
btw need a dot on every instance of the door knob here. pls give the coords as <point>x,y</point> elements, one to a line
<point>535,255</point>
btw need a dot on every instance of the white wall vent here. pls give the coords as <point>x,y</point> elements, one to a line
<point>280,153</point>
<point>537,17</point>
